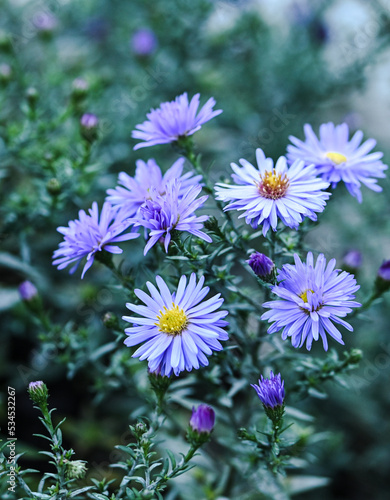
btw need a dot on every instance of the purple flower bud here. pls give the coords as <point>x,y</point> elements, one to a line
<point>89,126</point>
<point>44,21</point>
<point>5,72</point>
<point>38,392</point>
<point>80,86</point>
<point>89,121</point>
<point>27,291</point>
<point>270,390</point>
<point>143,42</point>
<point>384,271</point>
<point>353,259</point>
<point>261,265</point>
<point>202,419</point>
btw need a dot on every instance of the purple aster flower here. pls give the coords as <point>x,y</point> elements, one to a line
<point>87,235</point>
<point>270,193</point>
<point>260,264</point>
<point>27,291</point>
<point>143,42</point>
<point>148,179</point>
<point>164,214</point>
<point>173,120</point>
<point>337,158</point>
<point>353,260</point>
<point>202,419</point>
<point>313,298</point>
<point>178,329</point>
<point>270,390</point>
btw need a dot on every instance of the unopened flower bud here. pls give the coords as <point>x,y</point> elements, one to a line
<point>27,291</point>
<point>32,96</point>
<point>352,261</point>
<point>5,73</point>
<point>201,425</point>
<point>38,392</point>
<point>80,88</point>
<point>382,283</point>
<point>355,356</point>
<point>5,41</point>
<point>262,266</point>
<point>89,126</point>
<point>76,469</point>
<point>53,186</point>
<point>271,393</point>
<point>110,320</point>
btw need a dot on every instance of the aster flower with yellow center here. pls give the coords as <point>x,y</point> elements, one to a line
<point>312,299</point>
<point>177,330</point>
<point>338,158</point>
<point>270,193</point>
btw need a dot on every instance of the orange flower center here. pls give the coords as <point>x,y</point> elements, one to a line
<point>273,185</point>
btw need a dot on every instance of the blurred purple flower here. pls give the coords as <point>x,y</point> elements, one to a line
<point>27,291</point>
<point>384,271</point>
<point>44,21</point>
<point>353,259</point>
<point>143,42</point>
<point>173,120</point>
<point>89,121</point>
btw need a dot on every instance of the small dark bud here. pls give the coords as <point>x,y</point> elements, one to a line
<point>32,96</point>
<point>53,186</point>
<point>382,283</point>
<point>80,89</point>
<point>110,320</point>
<point>5,73</point>
<point>89,127</point>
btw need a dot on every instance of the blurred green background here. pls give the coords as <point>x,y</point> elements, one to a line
<point>272,67</point>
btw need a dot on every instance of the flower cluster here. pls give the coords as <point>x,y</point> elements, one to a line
<point>133,192</point>
<point>170,212</point>
<point>313,298</point>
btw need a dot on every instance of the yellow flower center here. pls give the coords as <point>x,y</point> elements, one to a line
<point>303,295</point>
<point>336,158</point>
<point>172,321</point>
<point>273,185</point>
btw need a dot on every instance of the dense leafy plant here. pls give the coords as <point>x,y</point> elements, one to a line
<point>217,270</point>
